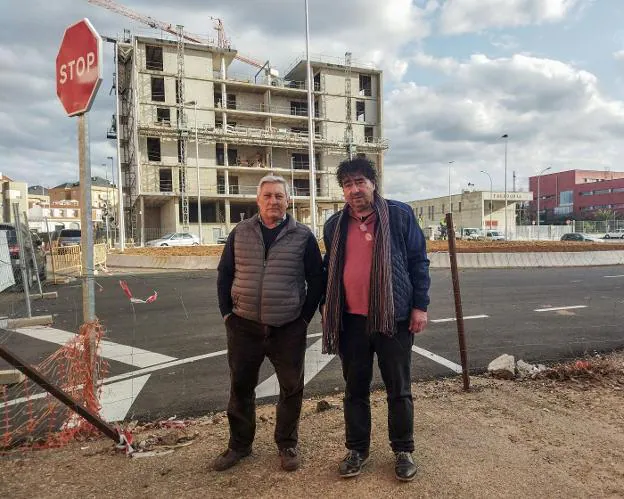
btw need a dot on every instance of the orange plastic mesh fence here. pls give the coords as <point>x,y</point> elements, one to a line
<point>29,416</point>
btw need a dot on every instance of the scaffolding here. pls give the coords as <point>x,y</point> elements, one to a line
<point>349,111</point>
<point>182,128</point>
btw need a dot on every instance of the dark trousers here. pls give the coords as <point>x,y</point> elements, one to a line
<point>357,349</point>
<point>248,344</point>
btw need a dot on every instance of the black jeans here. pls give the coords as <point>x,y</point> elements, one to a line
<point>248,344</point>
<point>357,349</point>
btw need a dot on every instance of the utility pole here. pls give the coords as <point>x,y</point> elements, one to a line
<point>506,137</point>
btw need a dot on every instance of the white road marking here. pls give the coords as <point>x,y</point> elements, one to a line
<point>436,358</point>
<point>611,276</point>
<point>551,309</point>
<point>453,319</point>
<point>113,351</point>
<point>315,361</point>
<point>117,398</point>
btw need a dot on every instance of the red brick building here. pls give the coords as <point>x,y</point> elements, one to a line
<point>577,194</point>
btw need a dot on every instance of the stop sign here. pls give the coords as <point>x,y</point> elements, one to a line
<point>79,67</point>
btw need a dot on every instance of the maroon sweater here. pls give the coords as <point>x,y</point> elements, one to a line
<point>358,263</point>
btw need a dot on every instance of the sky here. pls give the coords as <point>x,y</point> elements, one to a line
<point>458,74</point>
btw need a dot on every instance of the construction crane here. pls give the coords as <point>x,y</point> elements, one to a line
<point>222,40</point>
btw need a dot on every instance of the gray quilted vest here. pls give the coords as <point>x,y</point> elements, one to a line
<point>271,291</point>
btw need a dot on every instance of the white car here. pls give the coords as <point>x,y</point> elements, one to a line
<point>615,234</point>
<point>175,239</point>
<point>494,235</point>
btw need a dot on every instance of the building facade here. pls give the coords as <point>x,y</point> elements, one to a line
<point>170,92</point>
<point>578,195</point>
<point>471,209</point>
<point>12,192</point>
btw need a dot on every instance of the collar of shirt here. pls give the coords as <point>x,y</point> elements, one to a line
<point>280,222</point>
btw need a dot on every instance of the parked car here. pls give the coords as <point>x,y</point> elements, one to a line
<point>69,237</point>
<point>615,234</point>
<point>14,253</point>
<point>578,236</point>
<point>494,235</point>
<point>175,239</point>
<point>222,239</point>
<point>470,234</point>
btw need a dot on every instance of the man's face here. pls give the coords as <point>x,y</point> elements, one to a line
<point>358,191</point>
<point>272,202</point>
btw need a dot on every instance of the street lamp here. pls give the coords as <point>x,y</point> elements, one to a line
<point>199,213</point>
<point>490,177</point>
<point>506,137</point>
<point>311,158</point>
<point>538,200</point>
<point>112,182</point>
<point>449,187</point>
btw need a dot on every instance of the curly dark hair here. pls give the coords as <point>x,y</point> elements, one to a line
<point>358,165</point>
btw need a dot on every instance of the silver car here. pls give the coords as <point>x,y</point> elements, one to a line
<point>175,239</point>
<point>69,237</point>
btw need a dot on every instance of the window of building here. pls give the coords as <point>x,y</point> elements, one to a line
<point>220,153</point>
<point>153,149</point>
<point>220,184</point>
<point>317,81</point>
<point>218,99</point>
<point>232,156</point>
<point>566,198</point>
<point>602,191</point>
<point>459,207</point>
<point>163,115</point>
<point>158,89</point>
<point>369,134</point>
<point>153,58</point>
<point>301,161</point>
<point>366,88</point>
<point>231,101</point>
<point>298,108</point>
<point>360,110</point>
<point>618,189</point>
<point>166,180</point>
<point>296,129</point>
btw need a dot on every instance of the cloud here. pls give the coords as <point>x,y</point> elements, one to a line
<point>554,113</point>
<point>467,16</point>
<point>619,55</point>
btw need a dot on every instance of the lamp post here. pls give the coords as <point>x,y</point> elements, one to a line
<point>199,213</point>
<point>506,137</point>
<point>450,210</point>
<point>112,182</point>
<point>311,159</point>
<point>490,177</point>
<point>538,200</point>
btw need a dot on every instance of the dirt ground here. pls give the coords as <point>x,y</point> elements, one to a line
<point>559,436</point>
<point>432,246</point>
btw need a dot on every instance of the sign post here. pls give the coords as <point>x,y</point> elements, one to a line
<point>78,77</point>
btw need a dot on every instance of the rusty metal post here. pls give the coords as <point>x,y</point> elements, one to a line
<point>459,314</point>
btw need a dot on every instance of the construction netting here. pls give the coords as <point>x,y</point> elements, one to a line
<point>29,416</point>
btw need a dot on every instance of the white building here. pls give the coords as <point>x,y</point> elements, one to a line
<point>247,127</point>
<point>474,209</point>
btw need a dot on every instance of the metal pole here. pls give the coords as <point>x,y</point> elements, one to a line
<point>22,258</point>
<point>538,207</point>
<point>506,231</point>
<point>199,212</point>
<point>32,253</point>
<point>491,195</point>
<point>459,314</point>
<point>121,224</point>
<point>86,224</point>
<point>51,251</point>
<point>450,210</point>
<point>310,128</point>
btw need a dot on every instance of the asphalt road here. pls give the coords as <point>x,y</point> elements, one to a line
<point>177,365</point>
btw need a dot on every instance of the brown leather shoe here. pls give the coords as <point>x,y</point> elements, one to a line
<point>229,458</point>
<point>290,459</point>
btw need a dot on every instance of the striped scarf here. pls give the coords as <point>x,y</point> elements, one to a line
<point>380,300</point>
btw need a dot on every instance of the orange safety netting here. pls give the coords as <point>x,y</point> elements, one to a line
<point>29,416</point>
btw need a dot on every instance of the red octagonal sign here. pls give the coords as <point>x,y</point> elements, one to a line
<point>79,67</point>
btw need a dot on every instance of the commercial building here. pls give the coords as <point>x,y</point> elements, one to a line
<point>474,209</point>
<point>189,129</point>
<point>578,195</point>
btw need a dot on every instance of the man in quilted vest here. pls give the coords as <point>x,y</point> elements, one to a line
<point>269,286</point>
<point>377,292</point>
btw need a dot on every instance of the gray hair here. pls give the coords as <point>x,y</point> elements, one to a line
<point>273,179</point>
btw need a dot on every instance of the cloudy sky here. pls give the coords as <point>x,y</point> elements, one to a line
<point>458,75</point>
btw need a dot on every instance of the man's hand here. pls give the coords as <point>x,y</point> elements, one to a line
<point>418,321</point>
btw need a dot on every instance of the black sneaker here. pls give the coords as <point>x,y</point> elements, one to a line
<point>353,463</point>
<point>290,458</point>
<point>229,458</point>
<point>404,468</point>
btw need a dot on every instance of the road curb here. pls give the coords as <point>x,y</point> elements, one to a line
<point>438,260</point>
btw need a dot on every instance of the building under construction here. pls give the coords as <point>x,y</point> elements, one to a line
<point>172,91</point>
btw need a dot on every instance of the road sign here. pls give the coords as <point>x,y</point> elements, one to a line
<point>79,67</point>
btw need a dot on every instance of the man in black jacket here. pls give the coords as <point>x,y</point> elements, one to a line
<point>377,284</point>
<point>269,286</point>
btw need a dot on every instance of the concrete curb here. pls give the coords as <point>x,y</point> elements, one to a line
<point>438,260</point>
